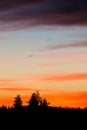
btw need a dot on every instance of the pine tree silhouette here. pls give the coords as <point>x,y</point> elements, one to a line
<point>34,100</point>
<point>17,101</point>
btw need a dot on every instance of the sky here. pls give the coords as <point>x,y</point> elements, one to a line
<point>43,46</point>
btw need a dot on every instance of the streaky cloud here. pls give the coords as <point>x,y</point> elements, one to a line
<point>61,46</point>
<point>11,4</point>
<point>7,80</point>
<point>20,14</point>
<point>19,89</point>
<point>57,78</point>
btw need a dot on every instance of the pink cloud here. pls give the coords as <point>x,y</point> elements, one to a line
<point>61,75</point>
<point>66,56</point>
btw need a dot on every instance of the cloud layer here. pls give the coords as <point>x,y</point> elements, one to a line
<point>17,14</point>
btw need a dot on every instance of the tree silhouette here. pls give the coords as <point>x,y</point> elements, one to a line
<point>44,103</point>
<point>35,99</point>
<point>17,101</point>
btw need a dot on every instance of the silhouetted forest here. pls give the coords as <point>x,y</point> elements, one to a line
<point>37,114</point>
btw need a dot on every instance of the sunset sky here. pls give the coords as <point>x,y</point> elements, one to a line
<point>43,46</point>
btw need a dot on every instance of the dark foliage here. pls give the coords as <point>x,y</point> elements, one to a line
<point>35,99</point>
<point>42,118</point>
<point>44,103</point>
<point>17,101</point>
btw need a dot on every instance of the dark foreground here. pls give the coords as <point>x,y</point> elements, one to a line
<point>41,118</point>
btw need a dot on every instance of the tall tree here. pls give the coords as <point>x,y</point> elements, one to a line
<point>17,101</point>
<point>35,99</point>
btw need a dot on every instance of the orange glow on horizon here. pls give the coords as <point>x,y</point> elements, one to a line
<point>69,99</point>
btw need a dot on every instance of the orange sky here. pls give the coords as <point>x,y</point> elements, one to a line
<point>61,88</point>
<point>63,99</point>
<point>51,59</point>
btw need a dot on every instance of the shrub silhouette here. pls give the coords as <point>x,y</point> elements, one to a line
<point>17,101</point>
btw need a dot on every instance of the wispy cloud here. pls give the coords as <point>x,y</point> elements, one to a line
<point>19,89</point>
<point>17,14</point>
<point>7,80</point>
<point>15,89</point>
<point>61,46</point>
<point>12,80</point>
<point>57,78</point>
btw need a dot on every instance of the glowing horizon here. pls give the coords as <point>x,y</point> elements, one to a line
<point>59,99</point>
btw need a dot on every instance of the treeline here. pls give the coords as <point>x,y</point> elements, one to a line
<point>34,101</point>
